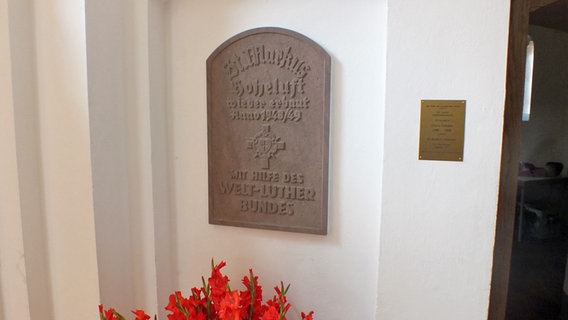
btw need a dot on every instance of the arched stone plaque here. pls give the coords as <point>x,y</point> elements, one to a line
<point>268,131</point>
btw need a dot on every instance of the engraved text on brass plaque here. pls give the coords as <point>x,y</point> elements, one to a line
<point>442,125</point>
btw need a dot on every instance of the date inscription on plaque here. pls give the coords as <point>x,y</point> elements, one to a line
<point>268,132</point>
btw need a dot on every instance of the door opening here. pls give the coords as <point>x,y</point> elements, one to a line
<point>552,14</point>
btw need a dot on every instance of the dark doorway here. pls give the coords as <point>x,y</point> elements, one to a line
<point>551,14</point>
<point>539,252</point>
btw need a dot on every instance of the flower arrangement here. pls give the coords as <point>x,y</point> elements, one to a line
<point>215,300</point>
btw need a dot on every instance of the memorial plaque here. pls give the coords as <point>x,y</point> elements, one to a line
<point>442,125</point>
<point>268,132</point>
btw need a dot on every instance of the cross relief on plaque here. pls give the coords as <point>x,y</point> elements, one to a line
<point>265,144</point>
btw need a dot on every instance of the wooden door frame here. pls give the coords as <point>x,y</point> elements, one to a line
<point>516,56</point>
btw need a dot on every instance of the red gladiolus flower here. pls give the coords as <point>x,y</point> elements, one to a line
<point>109,314</point>
<point>199,316</point>
<point>140,315</point>
<point>218,283</point>
<point>176,307</point>
<point>251,299</point>
<point>216,301</point>
<point>279,301</point>
<point>271,314</point>
<point>229,308</point>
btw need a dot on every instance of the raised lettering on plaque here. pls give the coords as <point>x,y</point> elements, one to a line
<point>268,132</point>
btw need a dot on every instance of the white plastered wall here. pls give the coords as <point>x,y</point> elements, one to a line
<point>438,218</point>
<point>126,70</point>
<point>49,206</point>
<point>62,111</point>
<point>13,285</point>
<point>407,239</point>
<point>335,274</point>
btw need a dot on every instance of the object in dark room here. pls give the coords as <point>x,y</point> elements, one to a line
<point>553,169</point>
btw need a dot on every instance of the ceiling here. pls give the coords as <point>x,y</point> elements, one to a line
<point>550,14</point>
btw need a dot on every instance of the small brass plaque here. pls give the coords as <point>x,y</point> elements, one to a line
<point>442,125</point>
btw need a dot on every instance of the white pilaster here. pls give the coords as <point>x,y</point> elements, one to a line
<point>130,153</point>
<point>14,300</point>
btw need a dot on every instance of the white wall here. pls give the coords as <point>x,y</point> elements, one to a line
<point>46,71</point>
<point>407,239</point>
<point>438,218</point>
<point>14,300</point>
<point>65,155</point>
<point>126,72</point>
<point>323,270</point>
